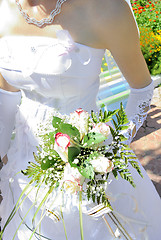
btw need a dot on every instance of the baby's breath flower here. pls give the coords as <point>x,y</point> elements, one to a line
<point>76,161</point>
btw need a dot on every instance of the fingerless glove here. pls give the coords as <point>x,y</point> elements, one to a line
<point>136,109</point>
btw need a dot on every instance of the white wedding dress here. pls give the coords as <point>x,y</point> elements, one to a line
<point>61,74</point>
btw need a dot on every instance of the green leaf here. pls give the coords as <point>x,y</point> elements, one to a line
<point>115,124</point>
<point>64,128</point>
<point>112,113</point>
<point>103,105</point>
<point>101,116</point>
<point>57,184</point>
<point>93,138</point>
<point>126,147</point>
<point>107,203</point>
<point>135,165</point>
<point>46,163</point>
<point>122,138</point>
<point>93,155</point>
<point>71,131</point>
<point>56,121</point>
<point>126,175</point>
<point>37,159</point>
<point>108,154</point>
<point>112,132</point>
<point>73,152</point>
<point>105,115</point>
<point>98,199</point>
<point>52,136</point>
<point>118,118</point>
<point>126,160</point>
<point>123,127</point>
<point>93,197</point>
<point>94,117</point>
<point>114,171</point>
<point>131,157</point>
<point>109,115</point>
<point>88,193</point>
<point>86,170</point>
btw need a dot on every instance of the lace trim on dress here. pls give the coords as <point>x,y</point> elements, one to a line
<point>139,102</point>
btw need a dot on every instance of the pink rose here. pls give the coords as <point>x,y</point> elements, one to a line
<point>79,111</point>
<point>62,142</point>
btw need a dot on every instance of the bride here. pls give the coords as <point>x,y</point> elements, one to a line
<point>54,62</point>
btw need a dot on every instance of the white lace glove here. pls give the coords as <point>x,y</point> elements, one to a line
<point>136,109</point>
<point>8,107</point>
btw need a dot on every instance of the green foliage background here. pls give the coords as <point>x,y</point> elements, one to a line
<point>147,15</point>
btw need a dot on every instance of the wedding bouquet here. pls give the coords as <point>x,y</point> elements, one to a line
<point>76,155</point>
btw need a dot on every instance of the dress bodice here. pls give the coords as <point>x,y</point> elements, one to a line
<point>56,72</point>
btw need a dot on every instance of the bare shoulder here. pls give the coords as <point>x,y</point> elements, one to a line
<point>112,9</point>
<point>118,32</point>
<point>114,19</point>
<point>118,13</point>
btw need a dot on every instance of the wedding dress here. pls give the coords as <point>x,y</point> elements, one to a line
<point>61,74</point>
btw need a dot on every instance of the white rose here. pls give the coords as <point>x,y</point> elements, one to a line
<point>72,180</point>
<point>102,165</point>
<point>102,128</point>
<point>62,142</point>
<point>71,173</point>
<point>77,176</point>
<point>72,186</point>
<point>80,120</point>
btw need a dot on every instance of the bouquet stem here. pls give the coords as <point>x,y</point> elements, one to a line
<point>63,223</point>
<point>80,215</point>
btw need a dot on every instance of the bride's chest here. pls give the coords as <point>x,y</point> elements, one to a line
<point>49,66</point>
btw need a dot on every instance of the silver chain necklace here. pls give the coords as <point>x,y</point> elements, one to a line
<point>44,21</point>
